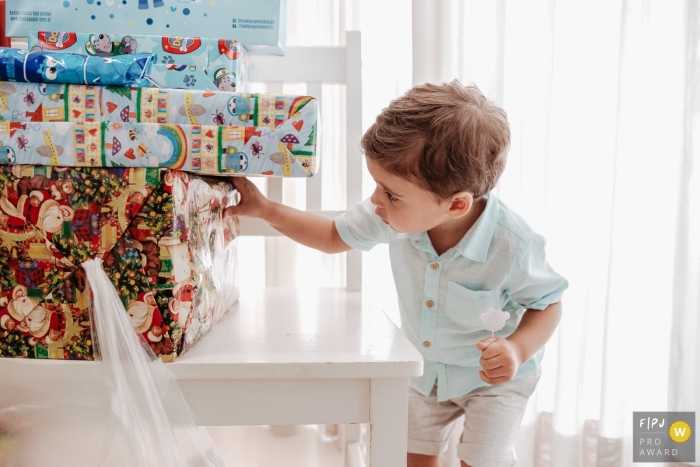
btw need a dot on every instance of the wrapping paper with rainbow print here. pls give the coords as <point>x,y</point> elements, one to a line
<point>286,119</point>
<point>165,245</point>
<point>203,149</point>
<point>181,62</point>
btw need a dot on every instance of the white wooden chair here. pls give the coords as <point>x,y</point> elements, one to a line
<point>316,66</point>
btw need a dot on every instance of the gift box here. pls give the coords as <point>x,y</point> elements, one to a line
<point>165,246</point>
<point>260,26</point>
<point>268,129</point>
<point>204,149</point>
<point>181,62</point>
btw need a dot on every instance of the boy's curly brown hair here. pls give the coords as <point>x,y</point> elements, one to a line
<point>445,138</point>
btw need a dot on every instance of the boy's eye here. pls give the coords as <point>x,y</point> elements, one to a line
<point>390,196</point>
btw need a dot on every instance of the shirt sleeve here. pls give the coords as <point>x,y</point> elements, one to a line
<point>533,283</point>
<point>359,227</point>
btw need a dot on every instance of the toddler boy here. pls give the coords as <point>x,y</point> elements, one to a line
<point>455,249</point>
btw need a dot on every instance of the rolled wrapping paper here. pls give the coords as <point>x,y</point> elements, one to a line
<point>196,63</point>
<point>69,68</point>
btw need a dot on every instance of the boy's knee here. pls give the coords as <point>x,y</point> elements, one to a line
<point>421,460</point>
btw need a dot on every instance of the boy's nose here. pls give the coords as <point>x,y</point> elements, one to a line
<point>375,198</point>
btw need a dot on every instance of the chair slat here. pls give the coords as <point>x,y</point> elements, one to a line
<point>353,136</point>
<point>324,64</point>
<point>314,185</point>
<point>316,66</point>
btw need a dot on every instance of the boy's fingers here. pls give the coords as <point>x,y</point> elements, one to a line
<point>496,373</point>
<point>239,181</point>
<point>491,364</point>
<point>486,342</point>
<point>488,347</point>
<point>486,379</point>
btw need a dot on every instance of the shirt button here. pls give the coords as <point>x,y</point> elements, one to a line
<point>426,344</point>
<point>435,266</point>
<point>429,304</point>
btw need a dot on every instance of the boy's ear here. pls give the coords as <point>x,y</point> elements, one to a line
<point>460,205</point>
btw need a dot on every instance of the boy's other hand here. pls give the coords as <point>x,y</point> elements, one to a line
<point>500,359</point>
<point>252,203</point>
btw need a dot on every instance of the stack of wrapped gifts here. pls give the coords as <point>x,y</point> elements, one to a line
<point>123,147</point>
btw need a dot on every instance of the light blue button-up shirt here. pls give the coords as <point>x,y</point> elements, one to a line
<point>499,263</point>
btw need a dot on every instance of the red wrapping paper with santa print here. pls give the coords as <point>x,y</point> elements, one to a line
<point>165,245</point>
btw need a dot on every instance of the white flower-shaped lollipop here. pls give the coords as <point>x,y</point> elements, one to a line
<point>494,319</point>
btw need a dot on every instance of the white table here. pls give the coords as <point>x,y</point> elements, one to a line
<point>288,356</point>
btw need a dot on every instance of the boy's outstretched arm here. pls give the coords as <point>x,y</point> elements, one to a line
<point>303,227</point>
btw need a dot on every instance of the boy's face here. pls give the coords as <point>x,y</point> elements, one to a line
<point>405,206</point>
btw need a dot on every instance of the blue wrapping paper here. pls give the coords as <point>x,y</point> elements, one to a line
<point>260,25</point>
<point>180,62</point>
<point>68,68</point>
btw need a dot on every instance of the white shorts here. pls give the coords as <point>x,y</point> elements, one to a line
<point>492,417</point>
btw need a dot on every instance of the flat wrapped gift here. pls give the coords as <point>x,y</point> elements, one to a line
<point>291,120</point>
<point>165,245</point>
<point>181,62</point>
<point>259,25</point>
<point>204,149</point>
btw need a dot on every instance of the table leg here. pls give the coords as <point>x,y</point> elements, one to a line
<point>388,417</point>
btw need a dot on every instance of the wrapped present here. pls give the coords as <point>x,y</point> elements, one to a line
<point>165,246</point>
<point>204,149</point>
<point>181,62</point>
<point>289,121</point>
<point>260,26</point>
<point>69,68</point>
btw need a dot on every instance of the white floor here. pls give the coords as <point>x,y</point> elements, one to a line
<point>264,446</point>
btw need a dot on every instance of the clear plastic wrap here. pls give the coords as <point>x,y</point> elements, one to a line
<point>128,411</point>
<point>145,398</point>
<point>185,62</point>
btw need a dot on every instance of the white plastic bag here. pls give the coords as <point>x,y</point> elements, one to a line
<point>145,398</point>
<point>125,410</point>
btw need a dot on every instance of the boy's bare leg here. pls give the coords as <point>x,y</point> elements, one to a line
<point>421,460</point>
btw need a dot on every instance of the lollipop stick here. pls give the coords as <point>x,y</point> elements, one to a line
<point>491,334</point>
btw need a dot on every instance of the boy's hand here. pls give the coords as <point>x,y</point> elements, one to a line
<point>252,204</point>
<point>306,228</point>
<point>500,359</point>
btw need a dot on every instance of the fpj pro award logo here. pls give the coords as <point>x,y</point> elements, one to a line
<point>664,437</point>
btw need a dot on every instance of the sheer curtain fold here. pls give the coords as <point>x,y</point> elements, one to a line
<point>684,371</point>
<point>603,99</point>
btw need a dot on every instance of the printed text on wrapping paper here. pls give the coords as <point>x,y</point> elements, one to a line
<point>243,23</point>
<point>30,16</point>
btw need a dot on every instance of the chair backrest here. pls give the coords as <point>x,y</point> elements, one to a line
<point>316,66</point>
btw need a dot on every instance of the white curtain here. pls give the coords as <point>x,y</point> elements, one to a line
<point>603,99</point>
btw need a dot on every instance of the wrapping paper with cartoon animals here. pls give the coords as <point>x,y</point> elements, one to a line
<point>259,25</point>
<point>282,142</point>
<point>181,62</point>
<point>160,233</point>
<point>69,68</point>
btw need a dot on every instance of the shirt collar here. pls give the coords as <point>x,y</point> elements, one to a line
<point>475,243</point>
